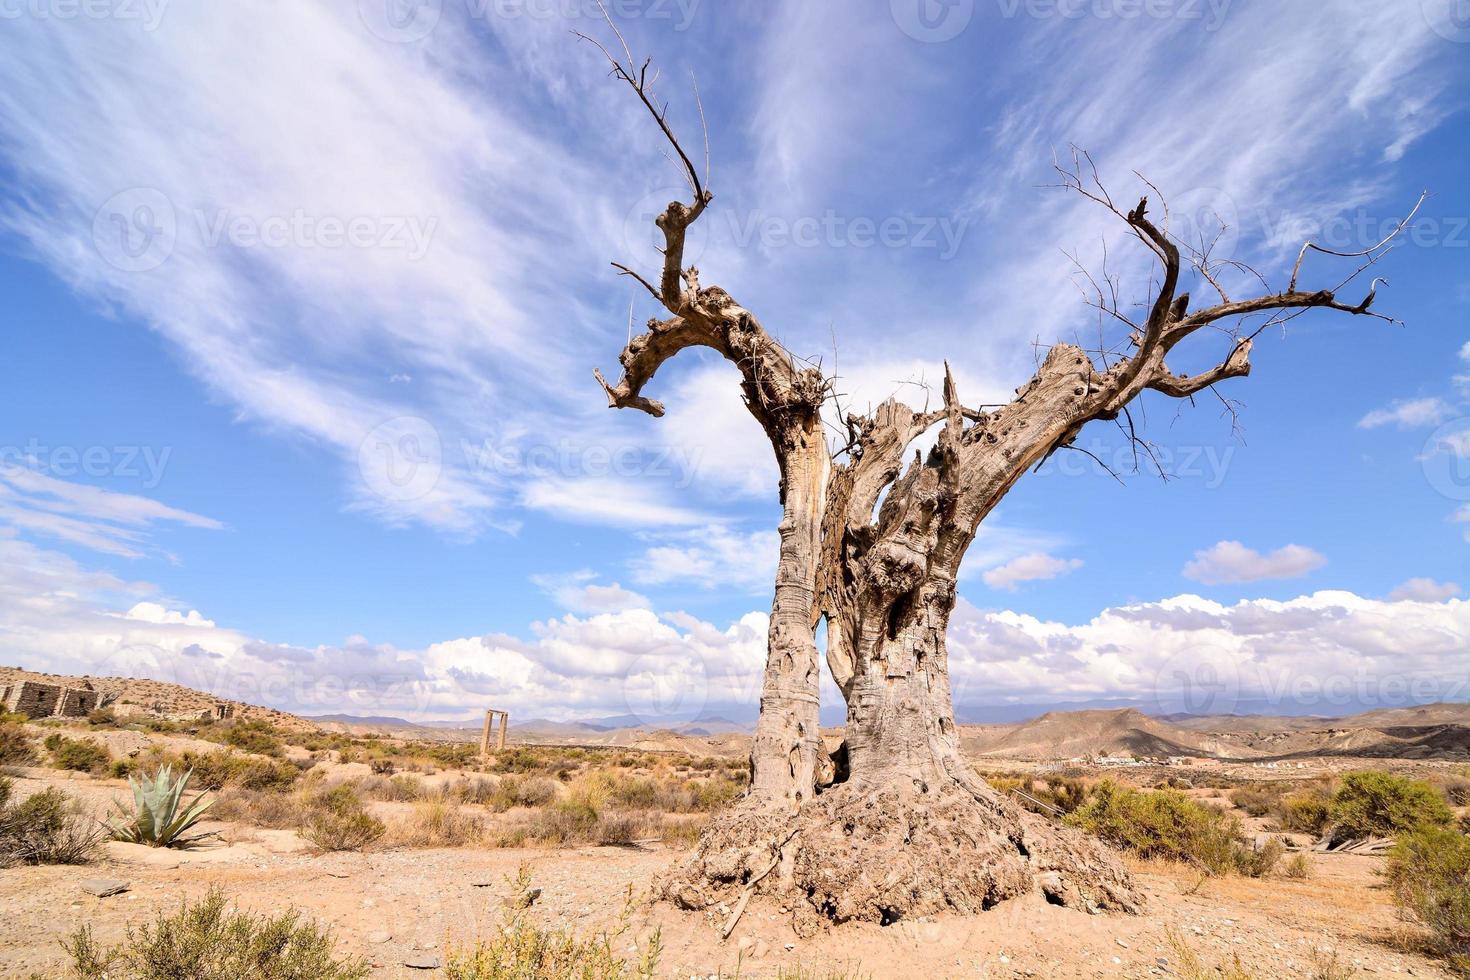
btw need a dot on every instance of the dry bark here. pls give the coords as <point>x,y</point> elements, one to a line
<point>908,829</point>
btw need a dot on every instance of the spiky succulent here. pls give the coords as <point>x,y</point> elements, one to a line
<point>160,818</point>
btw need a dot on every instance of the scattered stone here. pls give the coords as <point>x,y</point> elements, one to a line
<point>423,963</point>
<point>103,887</point>
<point>379,937</point>
<point>527,899</point>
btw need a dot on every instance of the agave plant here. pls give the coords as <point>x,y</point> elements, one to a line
<point>159,817</point>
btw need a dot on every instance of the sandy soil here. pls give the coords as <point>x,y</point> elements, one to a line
<point>398,906</point>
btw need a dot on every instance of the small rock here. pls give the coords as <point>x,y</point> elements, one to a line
<point>379,937</point>
<point>102,887</point>
<point>423,963</point>
<point>1121,943</point>
<point>527,899</point>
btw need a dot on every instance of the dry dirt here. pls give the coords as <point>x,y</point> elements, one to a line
<point>396,906</point>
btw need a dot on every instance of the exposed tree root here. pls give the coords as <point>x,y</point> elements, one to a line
<point>892,852</point>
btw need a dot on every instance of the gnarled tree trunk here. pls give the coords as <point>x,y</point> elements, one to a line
<point>907,828</point>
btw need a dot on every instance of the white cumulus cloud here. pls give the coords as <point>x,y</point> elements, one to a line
<point>1231,562</point>
<point>1029,568</point>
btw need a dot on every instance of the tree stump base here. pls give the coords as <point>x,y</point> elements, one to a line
<point>885,853</point>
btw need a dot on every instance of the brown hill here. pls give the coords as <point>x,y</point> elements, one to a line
<point>1076,734</point>
<point>132,695</point>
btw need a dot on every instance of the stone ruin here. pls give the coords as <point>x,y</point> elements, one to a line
<point>490,718</point>
<point>36,700</point>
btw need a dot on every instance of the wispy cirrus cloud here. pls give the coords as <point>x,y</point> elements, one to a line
<point>100,520</point>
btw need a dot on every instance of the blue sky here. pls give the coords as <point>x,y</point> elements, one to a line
<point>303,302</point>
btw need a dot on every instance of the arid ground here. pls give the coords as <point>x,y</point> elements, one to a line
<point>456,832</point>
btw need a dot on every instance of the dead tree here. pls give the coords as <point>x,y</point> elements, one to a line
<point>910,829</point>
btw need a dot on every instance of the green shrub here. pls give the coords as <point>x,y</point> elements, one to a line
<point>1371,803</point>
<point>45,828</point>
<point>248,736</point>
<point>337,820</point>
<point>1307,813</point>
<point>1161,824</point>
<point>160,817</point>
<point>206,941</point>
<point>216,770</point>
<point>15,744</point>
<point>1429,872</point>
<point>78,754</point>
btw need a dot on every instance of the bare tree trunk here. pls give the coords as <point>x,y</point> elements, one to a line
<point>900,718</point>
<point>787,743</point>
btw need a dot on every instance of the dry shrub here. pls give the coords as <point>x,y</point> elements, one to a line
<point>1259,800</point>
<point>337,820</point>
<point>15,745</point>
<point>435,824</point>
<point>274,811</point>
<point>519,948</point>
<point>1261,861</point>
<point>1298,867</point>
<point>682,833</point>
<point>209,941</point>
<point>622,829</point>
<point>527,791</point>
<point>563,822</point>
<point>45,828</point>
